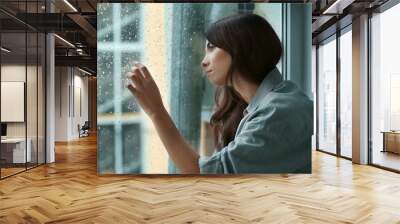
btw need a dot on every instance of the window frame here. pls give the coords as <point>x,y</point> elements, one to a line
<point>118,120</point>
<point>333,37</point>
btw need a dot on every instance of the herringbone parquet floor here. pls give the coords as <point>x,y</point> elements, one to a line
<point>69,191</point>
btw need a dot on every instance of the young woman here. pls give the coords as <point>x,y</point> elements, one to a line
<point>262,124</point>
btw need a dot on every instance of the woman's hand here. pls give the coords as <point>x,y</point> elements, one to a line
<point>145,90</point>
<point>148,96</point>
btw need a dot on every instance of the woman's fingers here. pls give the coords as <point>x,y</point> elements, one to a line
<point>132,89</point>
<point>144,72</point>
<point>136,80</point>
<point>140,79</point>
<point>145,89</point>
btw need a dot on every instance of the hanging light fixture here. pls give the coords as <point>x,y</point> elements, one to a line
<point>5,50</point>
<point>70,5</point>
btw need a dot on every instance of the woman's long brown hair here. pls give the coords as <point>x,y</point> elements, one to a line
<point>255,50</point>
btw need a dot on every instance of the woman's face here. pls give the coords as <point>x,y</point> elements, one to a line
<point>216,64</point>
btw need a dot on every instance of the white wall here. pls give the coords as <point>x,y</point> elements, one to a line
<point>12,73</point>
<point>61,103</point>
<point>80,89</point>
<point>69,85</point>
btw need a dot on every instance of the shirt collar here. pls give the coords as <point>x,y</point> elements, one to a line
<point>273,78</point>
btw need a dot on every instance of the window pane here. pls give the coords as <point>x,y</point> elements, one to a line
<point>104,23</point>
<point>346,94</point>
<point>327,97</point>
<point>314,90</point>
<point>14,154</point>
<point>131,138</point>
<point>385,87</point>
<point>105,149</point>
<point>130,22</point>
<point>105,86</point>
<point>41,99</point>
<point>32,100</point>
<point>22,61</point>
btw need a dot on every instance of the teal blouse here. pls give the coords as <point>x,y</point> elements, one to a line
<point>274,136</point>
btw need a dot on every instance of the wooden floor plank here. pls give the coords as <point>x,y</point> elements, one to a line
<point>70,191</point>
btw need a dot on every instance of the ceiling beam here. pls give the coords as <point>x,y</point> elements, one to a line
<point>86,27</point>
<point>82,61</point>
